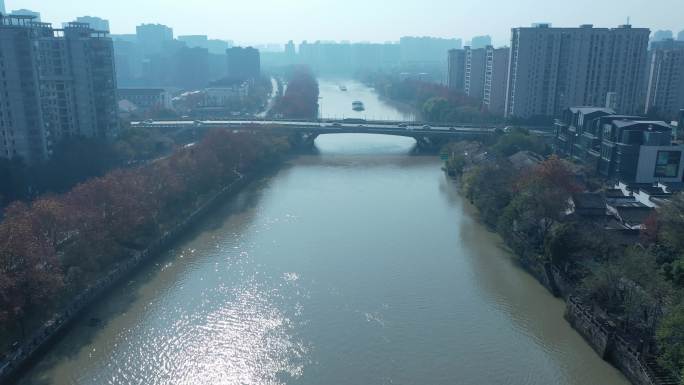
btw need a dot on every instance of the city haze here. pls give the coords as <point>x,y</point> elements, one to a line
<point>356,20</point>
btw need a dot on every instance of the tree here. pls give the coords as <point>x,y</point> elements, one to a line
<point>562,243</point>
<point>519,140</point>
<point>30,274</point>
<point>435,109</point>
<point>301,97</point>
<point>671,223</point>
<point>540,200</point>
<point>488,187</point>
<point>670,338</point>
<point>102,220</point>
<point>631,287</point>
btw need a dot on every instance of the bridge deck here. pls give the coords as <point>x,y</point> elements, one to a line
<point>315,127</point>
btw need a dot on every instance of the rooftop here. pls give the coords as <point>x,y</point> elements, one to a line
<point>634,216</point>
<point>651,123</point>
<point>614,193</point>
<point>589,201</point>
<point>589,110</point>
<point>653,190</point>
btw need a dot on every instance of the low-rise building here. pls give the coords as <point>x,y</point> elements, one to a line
<point>146,98</point>
<point>629,148</point>
<point>575,136</point>
<point>645,194</point>
<point>588,204</point>
<point>639,151</point>
<point>221,96</point>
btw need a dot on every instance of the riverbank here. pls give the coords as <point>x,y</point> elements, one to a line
<point>527,205</point>
<point>599,332</point>
<point>62,252</point>
<point>51,331</point>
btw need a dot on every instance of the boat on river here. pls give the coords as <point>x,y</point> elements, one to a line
<point>343,88</point>
<point>358,106</point>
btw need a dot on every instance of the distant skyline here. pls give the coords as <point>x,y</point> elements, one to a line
<point>277,21</point>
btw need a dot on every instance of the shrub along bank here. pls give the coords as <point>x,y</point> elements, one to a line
<point>633,282</point>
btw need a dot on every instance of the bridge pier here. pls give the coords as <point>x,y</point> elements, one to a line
<point>303,140</point>
<point>426,144</point>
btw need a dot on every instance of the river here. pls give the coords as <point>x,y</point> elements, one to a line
<point>358,265</point>
<point>337,104</point>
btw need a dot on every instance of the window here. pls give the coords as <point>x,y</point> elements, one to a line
<point>667,164</point>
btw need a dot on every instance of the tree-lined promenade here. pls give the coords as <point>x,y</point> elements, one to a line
<point>52,249</point>
<point>635,281</point>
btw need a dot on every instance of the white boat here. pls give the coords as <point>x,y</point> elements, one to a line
<point>343,88</point>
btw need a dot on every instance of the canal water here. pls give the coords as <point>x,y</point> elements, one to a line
<point>358,265</point>
<point>337,104</point>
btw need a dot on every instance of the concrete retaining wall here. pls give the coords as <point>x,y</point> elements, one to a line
<point>598,333</point>
<point>594,332</point>
<point>608,343</point>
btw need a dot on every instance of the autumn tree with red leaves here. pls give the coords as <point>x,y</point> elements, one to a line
<point>301,97</point>
<point>102,221</point>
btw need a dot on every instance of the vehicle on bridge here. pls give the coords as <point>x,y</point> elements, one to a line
<point>427,127</point>
<point>403,125</point>
<point>353,120</point>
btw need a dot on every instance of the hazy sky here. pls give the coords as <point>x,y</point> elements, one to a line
<point>265,21</point>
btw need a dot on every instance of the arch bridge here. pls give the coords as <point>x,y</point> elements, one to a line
<point>304,132</point>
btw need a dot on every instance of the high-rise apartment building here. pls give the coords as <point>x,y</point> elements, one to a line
<point>215,46</point>
<point>496,78</point>
<point>192,68</point>
<point>2,6</point>
<point>661,35</point>
<point>475,62</point>
<point>481,42</point>
<point>665,93</point>
<point>467,71</point>
<point>552,69</point>
<point>194,41</point>
<point>481,74</point>
<point>243,63</point>
<point>54,83</point>
<point>95,23</point>
<point>456,70</point>
<point>153,37</point>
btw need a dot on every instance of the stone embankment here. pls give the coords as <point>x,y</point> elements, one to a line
<point>611,344</point>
